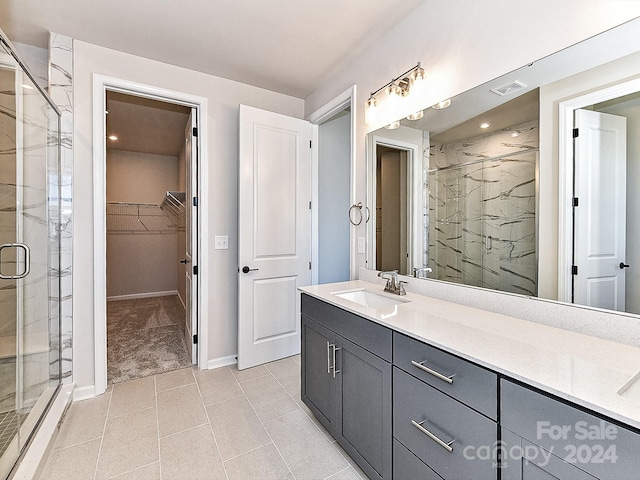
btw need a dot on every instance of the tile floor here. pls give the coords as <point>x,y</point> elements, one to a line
<point>190,425</point>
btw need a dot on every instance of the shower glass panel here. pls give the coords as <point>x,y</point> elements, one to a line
<point>482,228</point>
<point>29,257</point>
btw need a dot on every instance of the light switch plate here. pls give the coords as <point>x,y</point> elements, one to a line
<point>360,244</point>
<point>221,242</point>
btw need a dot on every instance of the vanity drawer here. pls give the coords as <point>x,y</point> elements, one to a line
<point>406,466</point>
<point>369,335</point>
<point>471,384</point>
<point>597,446</point>
<point>418,408</point>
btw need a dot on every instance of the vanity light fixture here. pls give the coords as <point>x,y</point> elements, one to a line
<point>442,105</point>
<point>393,125</point>
<point>416,116</point>
<point>389,101</point>
<point>484,125</point>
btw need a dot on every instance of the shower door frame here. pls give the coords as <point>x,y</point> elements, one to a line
<point>101,84</point>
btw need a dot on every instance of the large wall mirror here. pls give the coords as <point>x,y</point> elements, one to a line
<point>526,184</point>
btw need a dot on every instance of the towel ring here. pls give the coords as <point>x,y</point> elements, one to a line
<point>359,207</point>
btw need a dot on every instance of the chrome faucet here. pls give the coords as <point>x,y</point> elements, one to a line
<point>417,272</point>
<point>393,285</point>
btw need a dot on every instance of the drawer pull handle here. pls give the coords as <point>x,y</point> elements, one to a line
<point>334,361</point>
<point>421,366</point>
<point>328,358</point>
<point>442,443</point>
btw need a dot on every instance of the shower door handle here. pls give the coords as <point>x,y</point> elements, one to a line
<point>27,261</point>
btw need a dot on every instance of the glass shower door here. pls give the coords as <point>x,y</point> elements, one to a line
<point>29,283</point>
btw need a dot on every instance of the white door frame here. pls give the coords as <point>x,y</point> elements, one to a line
<point>323,114</point>
<point>414,205</point>
<point>101,84</point>
<point>565,175</point>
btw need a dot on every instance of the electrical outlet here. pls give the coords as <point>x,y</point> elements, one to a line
<point>221,242</point>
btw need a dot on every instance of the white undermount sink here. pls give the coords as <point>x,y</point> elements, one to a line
<point>369,299</point>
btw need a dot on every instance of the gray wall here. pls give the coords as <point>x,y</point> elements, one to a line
<point>334,172</point>
<point>140,263</point>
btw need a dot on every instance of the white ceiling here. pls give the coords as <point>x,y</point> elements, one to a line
<point>288,46</point>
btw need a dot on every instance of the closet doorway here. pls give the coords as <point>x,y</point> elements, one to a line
<point>151,236</point>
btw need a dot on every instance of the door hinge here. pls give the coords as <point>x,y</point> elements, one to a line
<point>195,131</point>
<point>309,265</point>
<point>195,201</point>
<point>309,143</point>
<point>575,133</point>
<point>195,269</point>
<point>575,201</point>
<point>195,338</point>
<point>309,205</point>
<point>574,270</point>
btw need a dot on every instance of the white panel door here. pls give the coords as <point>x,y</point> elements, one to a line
<point>191,237</point>
<point>600,217</point>
<point>274,233</point>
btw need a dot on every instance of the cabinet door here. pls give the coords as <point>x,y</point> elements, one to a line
<point>318,385</point>
<point>364,408</point>
<point>539,464</point>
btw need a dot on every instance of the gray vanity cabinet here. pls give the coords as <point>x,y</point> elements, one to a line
<point>318,385</point>
<point>580,442</point>
<point>346,382</point>
<point>523,460</point>
<point>445,411</point>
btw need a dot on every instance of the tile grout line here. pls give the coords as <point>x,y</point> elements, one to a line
<point>332,443</point>
<point>104,429</point>
<point>155,397</point>
<point>135,469</point>
<point>215,440</point>
<point>265,428</point>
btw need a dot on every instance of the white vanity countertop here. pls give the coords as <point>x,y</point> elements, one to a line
<point>583,369</point>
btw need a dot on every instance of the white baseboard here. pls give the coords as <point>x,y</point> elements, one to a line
<point>142,295</point>
<point>222,362</point>
<point>84,393</point>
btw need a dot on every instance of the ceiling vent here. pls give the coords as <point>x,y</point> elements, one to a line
<point>509,88</point>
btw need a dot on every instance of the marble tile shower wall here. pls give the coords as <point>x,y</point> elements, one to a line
<point>61,92</point>
<point>482,211</point>
<point>27,137</point>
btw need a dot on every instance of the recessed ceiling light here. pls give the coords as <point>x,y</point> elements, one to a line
<point>393,125</point>
<point>112,138</point>
<point>515,134</point>
<point>484,125</point>
<point>416,116</point>
<point>442,104</point>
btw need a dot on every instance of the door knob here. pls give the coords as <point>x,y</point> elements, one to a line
<point>623,265</point>
<point>184,261</point>
<point>246,269</point>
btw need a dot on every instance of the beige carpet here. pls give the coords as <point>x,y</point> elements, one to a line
<point>145,336</point>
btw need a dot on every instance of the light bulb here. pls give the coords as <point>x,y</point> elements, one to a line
<point>371,111</point>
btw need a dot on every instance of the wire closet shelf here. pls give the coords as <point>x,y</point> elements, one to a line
<point>140,218</point>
